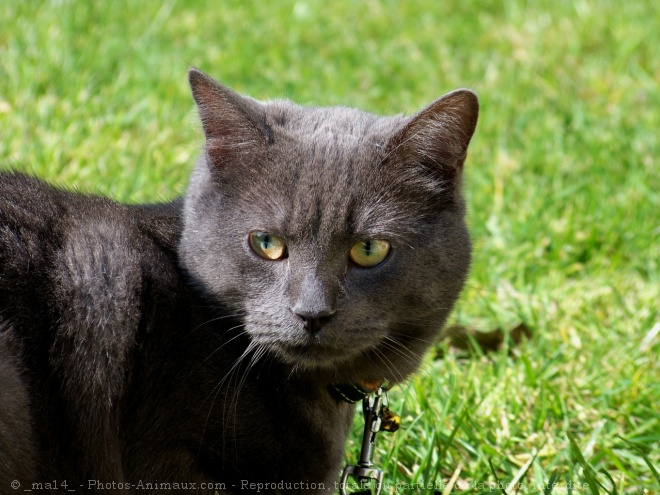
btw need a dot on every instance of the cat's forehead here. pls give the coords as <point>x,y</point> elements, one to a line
<point>323,179</point>
<point>335,125</point>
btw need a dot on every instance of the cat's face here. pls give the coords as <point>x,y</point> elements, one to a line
<point>337,235</point>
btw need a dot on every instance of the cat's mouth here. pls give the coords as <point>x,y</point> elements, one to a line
<point>315,354</point>
<point>336,349</point>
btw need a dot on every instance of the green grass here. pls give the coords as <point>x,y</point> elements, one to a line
<point>562,180</point>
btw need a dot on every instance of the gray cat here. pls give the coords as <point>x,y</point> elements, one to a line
<point>161,347</point>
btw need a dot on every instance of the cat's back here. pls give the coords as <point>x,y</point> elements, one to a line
<point>56,246</point>
<point>78,276</point>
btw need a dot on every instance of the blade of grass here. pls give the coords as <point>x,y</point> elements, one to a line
<point>492,470</point>
<point>643,456</point>
<point>550,484</point>
<point>586,469</point>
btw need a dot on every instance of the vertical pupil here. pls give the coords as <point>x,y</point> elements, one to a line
<point>367,248</point>
<point>265,242</point>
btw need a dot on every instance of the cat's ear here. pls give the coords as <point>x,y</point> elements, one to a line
<point>233,125</point>
<point>438,136</point>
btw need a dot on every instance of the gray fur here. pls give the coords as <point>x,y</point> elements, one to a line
<point>323,179</point>
<point>150,343</point>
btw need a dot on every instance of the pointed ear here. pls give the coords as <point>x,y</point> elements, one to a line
<point>437,137</point>
<point>233,125</point>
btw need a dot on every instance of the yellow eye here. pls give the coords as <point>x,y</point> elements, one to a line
<point>369,253</point>
<point>268,246</point>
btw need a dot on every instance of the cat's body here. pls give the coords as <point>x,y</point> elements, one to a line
<point>112,374</point>
<point>164,344</point>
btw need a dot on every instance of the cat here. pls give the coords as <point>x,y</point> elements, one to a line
<point>200,341</point>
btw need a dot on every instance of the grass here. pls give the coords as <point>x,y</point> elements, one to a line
<point>562,181</point>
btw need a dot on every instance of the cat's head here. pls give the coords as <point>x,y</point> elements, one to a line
<point>337,235</point>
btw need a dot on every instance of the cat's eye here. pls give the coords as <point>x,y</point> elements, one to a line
<point>268,246</point>
<point>370,252</point>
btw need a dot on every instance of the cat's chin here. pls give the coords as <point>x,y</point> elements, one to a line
<point>345,365</point>
<point>312,357</point>
<point>317,358</point>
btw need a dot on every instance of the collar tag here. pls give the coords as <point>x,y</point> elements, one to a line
<point>377,417</point>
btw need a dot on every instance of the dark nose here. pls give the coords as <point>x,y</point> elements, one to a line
<point>313,321</point>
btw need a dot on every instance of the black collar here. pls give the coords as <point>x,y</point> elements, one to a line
<point>353,392</point>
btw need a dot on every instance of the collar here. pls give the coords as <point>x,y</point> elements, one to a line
<point>354,392</point>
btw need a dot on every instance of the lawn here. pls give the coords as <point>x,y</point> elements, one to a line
<point>562,182</point>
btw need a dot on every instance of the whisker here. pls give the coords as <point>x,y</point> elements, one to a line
<point>254,358</point>
<point>218,318</point>
<point>221,346</point>
<point>226,412</point>
<point>398,347</point>
<point>217,389</point>
<point>388,364</point>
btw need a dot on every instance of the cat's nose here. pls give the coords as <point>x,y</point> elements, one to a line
<point>314,321</point>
